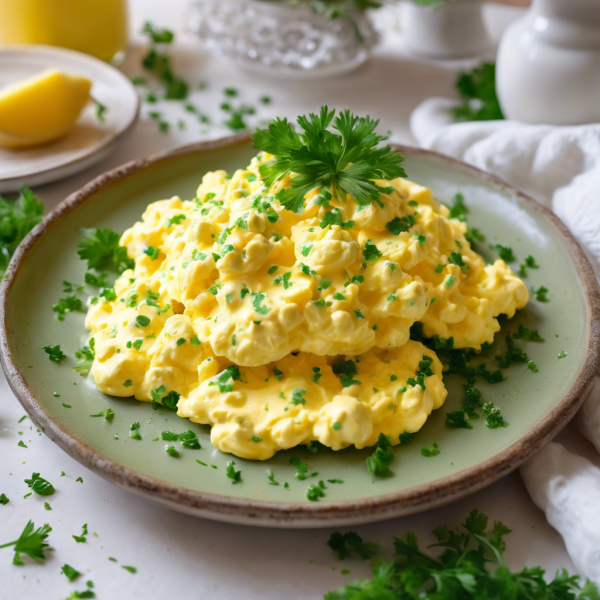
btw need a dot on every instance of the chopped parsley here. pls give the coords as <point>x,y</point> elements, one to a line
<point>540,294</point>
<point>314,492</point>
<point>298,397</point>
<point>493,417</point>
<point>371,252</point>
<point>345,544</point>
<point>301,468</point>
<point>346,370</point>
<point>226,378</point>
<point>257,303</point>
<point>528,263</point>
<point>39,485</point>
<point>378,464</point>
<point>69,572</point>
<point>562,354</point>
<point>67,305</point>
<point>152,252</point>
<point>134,431</point>
<point>429,451</point>
<point>505,253</point>
<point>235,476</point>
<point>54,353</point>
<point>458,210</point>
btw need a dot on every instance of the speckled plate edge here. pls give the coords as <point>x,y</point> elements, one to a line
<point>302,515</point>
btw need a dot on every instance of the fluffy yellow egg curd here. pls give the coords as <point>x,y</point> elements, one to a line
<point>279,328</point>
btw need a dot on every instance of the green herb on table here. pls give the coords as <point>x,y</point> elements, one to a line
<point>17,218</point>
<point>345,544</point>
<point>54,353</point>
<point>81,539</point>
<point>130,569</point>
<point>39,485</point>
<point>477,89</point>
<point>4,499</point>
<point>31,542</point>
<point>378,464</point>
<point>158,62</point>
<point>235,476</point>
<point>100,248</point>
<point>348,161</point>
<point>69,572</point>
<point>47,506</point>
<point>469,567</point>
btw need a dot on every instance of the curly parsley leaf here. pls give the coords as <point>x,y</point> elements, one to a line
<point>344,544</point>
<point>100,248</point>
<point>348,161</point>
<point>17,218</point>
<point>477,89</point>
<point>54,353</point>
<point>31,542</point>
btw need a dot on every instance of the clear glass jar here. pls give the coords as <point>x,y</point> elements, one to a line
<point>96,27</point>
<point>282,40</point>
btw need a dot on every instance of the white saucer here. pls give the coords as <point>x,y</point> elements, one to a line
<point>90,140</point>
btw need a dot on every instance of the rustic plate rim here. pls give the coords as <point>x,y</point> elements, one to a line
<point>293,515</point>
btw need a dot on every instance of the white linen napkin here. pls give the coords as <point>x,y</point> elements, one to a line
<point>560,167</point>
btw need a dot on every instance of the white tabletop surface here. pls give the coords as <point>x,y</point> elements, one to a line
<point>177,554</point>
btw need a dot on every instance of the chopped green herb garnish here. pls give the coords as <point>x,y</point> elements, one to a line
<point>431,450</point>
<point>378,464</point>
<point>54,353</point>
<point>345,544</point>
<point>235,476</point>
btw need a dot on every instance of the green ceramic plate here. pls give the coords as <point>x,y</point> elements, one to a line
<point>536,405</point>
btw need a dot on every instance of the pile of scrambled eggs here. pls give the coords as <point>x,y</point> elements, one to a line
<point>279,328</point>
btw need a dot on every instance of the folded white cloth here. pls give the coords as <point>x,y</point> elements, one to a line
<point>559,167</point>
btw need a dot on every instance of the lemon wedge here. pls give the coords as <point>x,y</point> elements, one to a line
<point>41,108</point>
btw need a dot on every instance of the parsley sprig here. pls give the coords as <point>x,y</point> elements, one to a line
<point>31,542</point>
<point>469,567</point>
<point>348,161</point>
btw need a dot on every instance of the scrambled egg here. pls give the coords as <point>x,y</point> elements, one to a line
<point>279,328</point>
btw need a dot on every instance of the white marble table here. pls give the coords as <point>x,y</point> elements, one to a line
<point>176,554</point>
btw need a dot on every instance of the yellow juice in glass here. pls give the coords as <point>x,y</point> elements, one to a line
<point>97,27</point>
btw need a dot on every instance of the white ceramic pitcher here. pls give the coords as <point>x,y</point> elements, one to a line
<point>548,65</point>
